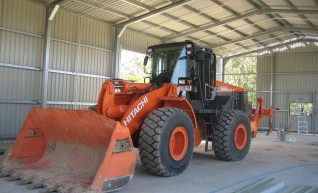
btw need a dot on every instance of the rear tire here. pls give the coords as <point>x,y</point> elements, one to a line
<point>166,141</point>
<point>232,136</point>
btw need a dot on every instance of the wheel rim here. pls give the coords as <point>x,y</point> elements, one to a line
<point>240,137</point>
<point>178,143</point>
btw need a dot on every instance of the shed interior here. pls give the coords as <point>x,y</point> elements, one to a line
<point>61,62</point>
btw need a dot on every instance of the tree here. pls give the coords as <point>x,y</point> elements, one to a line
<point>132,67</point>
<point>242,72</point>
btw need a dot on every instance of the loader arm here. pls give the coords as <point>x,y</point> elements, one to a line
<point>258,113</point>
<point>136,101</point>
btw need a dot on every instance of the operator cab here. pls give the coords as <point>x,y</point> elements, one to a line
<point>193,68</point>
<point>190,66</point>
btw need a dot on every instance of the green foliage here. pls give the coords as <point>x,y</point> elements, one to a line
<point>132,67</point>
<point>242,72</point>
<point>295,108</point>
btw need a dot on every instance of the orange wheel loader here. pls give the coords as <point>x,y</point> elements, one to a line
<point>181,105</point>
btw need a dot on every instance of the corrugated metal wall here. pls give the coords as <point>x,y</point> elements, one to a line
<point>81,57</point>
<point>134,41</point>
<point>21,44</point>
<point>295,75</point>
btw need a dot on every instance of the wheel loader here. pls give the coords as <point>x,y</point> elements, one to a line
<point>180,105</point>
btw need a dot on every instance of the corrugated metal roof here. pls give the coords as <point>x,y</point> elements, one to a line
<point>240,6</point>
<point>263,21</point>
<point>196,19</point>
<point>233,21</point>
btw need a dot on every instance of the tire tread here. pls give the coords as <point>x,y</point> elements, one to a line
<point>149,141</point>
<point>222,131</point>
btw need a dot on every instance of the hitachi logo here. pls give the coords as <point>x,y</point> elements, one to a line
<point>136,110</point>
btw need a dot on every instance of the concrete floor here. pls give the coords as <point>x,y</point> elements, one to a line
<point>294,163</point>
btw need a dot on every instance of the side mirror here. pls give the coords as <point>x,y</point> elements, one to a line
<point>145,60</point>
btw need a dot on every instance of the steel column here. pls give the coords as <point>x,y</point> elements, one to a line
<point>117,54</point>
<point>46,55</point>
<point>222,65</point>
<point>77,62</point>
<point>273,84</point>
<point>313,120</point>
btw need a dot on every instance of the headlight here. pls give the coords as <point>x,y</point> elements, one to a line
<point>182,81</point>
<point>149,51</point>
<point>189,52</point>
<point>189,45</point>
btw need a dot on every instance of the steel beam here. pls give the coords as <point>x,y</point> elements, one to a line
<point>7,139</point>
<point>82,45</point>
<point>87,16</point>
<point>39,2</point>
<point>232,12</point>
<point>152,13</point>
<point>215,20</point>
<point>53,71</point>
<point>101,7</point>
<point>273,47</point>
<point>267,32</point>
<point>19,66</point>
<point>171,17</point>
<point>77,74</point>
<point>20,32</point>
<point>260,5</point>
<point>208,26</point>
<point>59,2</point>
<point>8,101</point>
<point>290,11</point>
<point>159,27</point>
<point>257,6</point>
<point>235,18</point>
<point>69,103</point>
<point>156,12</point>
<point>303,18</point>
<point>2,101</point>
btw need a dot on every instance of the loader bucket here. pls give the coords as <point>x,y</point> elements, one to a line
<point>70,151</point>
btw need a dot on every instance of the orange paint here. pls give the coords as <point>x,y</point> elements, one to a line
<point>52,136</point>
<point>258,113</point>
<point>240,137</point>
<point>178,143</point>
<point>225,87</point>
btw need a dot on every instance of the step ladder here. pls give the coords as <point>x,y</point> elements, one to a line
<point>302,120</point>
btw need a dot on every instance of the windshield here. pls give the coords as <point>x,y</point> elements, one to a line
<point>168,64</point>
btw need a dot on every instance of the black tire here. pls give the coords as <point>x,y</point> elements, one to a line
<point>225,147</point>
<point>154,141</point>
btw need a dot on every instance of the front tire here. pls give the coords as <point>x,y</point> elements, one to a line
<point>166,141</point>
<point>232,136</point>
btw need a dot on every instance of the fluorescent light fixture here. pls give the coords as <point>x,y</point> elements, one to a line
<point>54,12</point>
